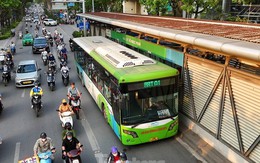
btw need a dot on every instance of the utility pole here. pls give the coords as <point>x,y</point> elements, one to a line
<point>84,19</point>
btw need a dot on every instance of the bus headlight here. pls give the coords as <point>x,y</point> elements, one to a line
<point>132,133</point>
<point>172,125</point>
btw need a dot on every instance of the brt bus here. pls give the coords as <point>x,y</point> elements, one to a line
<point>137,95</point>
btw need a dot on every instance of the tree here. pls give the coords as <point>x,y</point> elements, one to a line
<point>7,8</point>
<point>154,7</point>
<point>105,5</point>
<point>198,6</point>
<point>176,7</point>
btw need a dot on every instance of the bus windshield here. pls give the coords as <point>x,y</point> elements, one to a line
<point>150,104</point>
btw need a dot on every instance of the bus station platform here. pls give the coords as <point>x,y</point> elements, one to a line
<point>203,151</point>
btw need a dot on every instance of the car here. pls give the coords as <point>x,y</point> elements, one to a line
<point>27,73</point>
<point>27,39</point>
<point>28,19</point>
<point>36,20</point>
<point>39,44</point>
<point>49,22</point>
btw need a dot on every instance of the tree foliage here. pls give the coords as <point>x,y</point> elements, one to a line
<point>198,6</point>
<point>105,5</point>
<point>9,9</point>
<point>155,7</point>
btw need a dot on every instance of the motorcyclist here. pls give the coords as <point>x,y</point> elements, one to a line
<point>44,53</point>
<point>63,52</point>
<point>116,156</point>
<point>55,34</point>
<point>68,144</point>
<point>9,55</point>
<point>64,107</point>
<point>68,128</point>
<point>61,37</point>
<point>36,33</point>
<point>36,90</point>
<point>51,57</point>
<point>72,90</point>
<point>12,46</point>
<point>44,144</point>
<point>64,67</point>
<point>43,30</point>
<point>8,70</point>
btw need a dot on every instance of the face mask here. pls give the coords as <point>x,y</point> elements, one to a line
<point>69,138</point>
<point>43,140</point>
<point>114,154</point>
<point>64,104</point>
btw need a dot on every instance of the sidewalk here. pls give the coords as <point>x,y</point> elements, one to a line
<point>198,147</point>
<point>6,42</point>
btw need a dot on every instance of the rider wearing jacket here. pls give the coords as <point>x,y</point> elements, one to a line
<point>68,128</point>
<point>68,144</point>
<point>64,107</point>
<point>43,144</point>
<point>36,90</point>
<point>72,90</point>
<point>116,156</point>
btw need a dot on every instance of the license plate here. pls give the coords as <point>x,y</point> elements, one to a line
<point>27,82</point>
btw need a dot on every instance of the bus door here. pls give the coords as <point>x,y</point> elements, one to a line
<point>116,100</point>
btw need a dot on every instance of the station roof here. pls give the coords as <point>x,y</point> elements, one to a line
<point>241,40</point>
<point>241,31</point>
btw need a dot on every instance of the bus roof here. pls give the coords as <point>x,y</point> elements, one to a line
<point>125,64</point>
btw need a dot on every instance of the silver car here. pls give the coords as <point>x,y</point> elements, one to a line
<point>27,73</point>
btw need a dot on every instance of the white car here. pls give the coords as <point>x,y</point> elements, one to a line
<point>49,22</point>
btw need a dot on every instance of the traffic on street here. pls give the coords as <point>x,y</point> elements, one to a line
<point>28,119</point>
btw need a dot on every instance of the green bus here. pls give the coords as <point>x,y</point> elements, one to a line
<point>137,95</point>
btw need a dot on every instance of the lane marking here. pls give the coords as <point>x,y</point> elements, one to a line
<point>23,94</point>
<point>17,152</point>
<point>91,137</point>
<point>193,152</point>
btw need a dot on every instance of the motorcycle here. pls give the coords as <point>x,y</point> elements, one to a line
<point>13,50</point>
<point>9,62</point>
<point>71,46</point>
<point>51,80</point>
<point>51,42</point>
<point>66,117</point>
<point>45,157</point>
<point>1,109</point>
<point>75,104</point>
<point>6,78</point>
<point>63,56</point>
<point>36,104</point>
<point>52,65</point>
<point>44,58</point>
<point>65,77</point>
<point>59,48</point>
<point>20,34</point>
<point>74,155</point>
<point>63,62</point>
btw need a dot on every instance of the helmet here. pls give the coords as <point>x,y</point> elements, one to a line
<point>64,101</point>
<point>43,135</point>
<point>114,150</point>
<point>69,134</point>
<point>123,156</point>
<point>36,84</point>
<point>68,125</point>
